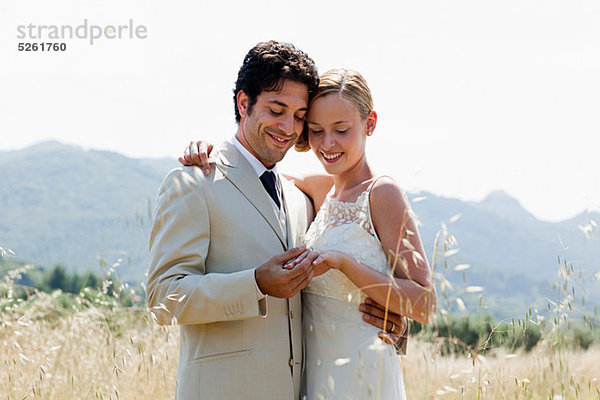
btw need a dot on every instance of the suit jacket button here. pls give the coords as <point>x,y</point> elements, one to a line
<point>291,315</point>
<point>291,362</point>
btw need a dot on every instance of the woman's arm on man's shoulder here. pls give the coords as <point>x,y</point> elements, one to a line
<point>314,186</point>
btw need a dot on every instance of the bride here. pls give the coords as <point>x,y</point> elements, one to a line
<point>368,245</point>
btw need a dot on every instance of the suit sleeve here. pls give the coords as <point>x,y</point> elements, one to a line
<point>179,290</point>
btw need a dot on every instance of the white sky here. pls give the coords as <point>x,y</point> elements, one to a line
<point>472,95</point>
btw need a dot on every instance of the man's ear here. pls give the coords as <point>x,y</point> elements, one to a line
<point>242,102</point>
<point>371,122</point>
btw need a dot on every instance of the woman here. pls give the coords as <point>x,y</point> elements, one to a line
<point>368,245</point>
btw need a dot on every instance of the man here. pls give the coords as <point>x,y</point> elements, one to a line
<point>220,242</point>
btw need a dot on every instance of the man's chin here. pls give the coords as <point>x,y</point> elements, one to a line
<point>277,154</point>
<point>270,157</point>
<point>275,157</point>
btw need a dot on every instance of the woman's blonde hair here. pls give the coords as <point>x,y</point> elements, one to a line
<point>350,86</point>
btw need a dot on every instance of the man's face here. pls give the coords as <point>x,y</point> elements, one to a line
<point>275,123</point>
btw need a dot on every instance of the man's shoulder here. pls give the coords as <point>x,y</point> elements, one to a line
<point>182,179</point>
<point>185,174</point>
<point>290,187</point>
<point>300,202</point>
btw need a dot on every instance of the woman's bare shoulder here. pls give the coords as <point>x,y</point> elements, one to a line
<point>387,193</point>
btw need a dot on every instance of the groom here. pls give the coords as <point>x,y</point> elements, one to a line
<point>220,241</point>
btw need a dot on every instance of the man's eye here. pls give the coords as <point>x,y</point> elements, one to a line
<point>276,112</point>
<point>300,119</point>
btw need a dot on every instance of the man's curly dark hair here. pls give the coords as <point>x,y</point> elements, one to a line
<point>267,65</point>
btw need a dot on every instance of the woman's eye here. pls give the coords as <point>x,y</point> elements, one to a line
<point>315,132</point>
<point>341,131</point>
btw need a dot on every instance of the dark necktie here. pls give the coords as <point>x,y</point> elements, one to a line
<point>268,181</point>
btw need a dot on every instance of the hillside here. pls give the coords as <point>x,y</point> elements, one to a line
<point>62,204</point>
<point>512,255</point>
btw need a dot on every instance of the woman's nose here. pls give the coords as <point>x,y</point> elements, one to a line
<point>328,141</point>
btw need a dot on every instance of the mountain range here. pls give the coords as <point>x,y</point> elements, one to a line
<point>91,209</point>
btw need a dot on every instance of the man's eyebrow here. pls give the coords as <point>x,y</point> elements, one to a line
<point>282,104</point>
<point>335,123</point>
<point>279,103</point>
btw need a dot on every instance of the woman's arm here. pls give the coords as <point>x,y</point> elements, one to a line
<point>314,186</point>
<point>410,291</point>
<point>400,238</point>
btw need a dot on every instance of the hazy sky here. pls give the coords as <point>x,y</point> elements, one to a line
<point>472,96</point>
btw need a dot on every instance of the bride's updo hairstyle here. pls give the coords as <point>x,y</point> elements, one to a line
<point>350,86</point>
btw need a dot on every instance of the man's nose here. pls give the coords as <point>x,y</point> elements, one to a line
<point>287,125</point>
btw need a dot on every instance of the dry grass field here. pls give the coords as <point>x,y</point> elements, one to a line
<point>107,352</point>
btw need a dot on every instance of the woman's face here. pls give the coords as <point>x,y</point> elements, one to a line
<point>336,133</point>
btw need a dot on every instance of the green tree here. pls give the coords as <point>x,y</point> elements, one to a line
<point>57,278</point>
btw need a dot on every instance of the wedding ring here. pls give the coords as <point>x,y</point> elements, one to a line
<point>391,330</point>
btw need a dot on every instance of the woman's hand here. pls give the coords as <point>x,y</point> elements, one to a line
<point>196,153</point>
<point>329,259</point>
<point>325,261</point>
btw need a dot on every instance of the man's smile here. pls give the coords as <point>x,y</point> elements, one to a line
<point>280,141</point>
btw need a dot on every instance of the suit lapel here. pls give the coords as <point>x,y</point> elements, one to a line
<point>241,174</point>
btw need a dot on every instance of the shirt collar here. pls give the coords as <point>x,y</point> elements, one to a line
<point>258,167</point>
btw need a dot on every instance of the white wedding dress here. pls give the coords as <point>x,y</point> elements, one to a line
<point>344,358</point>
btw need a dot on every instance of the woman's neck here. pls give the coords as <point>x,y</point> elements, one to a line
<point>350,179</point>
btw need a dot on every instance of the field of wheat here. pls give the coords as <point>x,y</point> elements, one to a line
<point>110,352</point>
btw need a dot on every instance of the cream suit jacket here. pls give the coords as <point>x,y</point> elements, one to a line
<point>209,233</point>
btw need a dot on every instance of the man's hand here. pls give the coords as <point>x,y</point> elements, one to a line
<point>196,153</point>
<point>374,314</point>
<point>275,279</point>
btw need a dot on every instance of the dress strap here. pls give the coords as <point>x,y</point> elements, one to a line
<point>368,201</point>
<point>375,180</point>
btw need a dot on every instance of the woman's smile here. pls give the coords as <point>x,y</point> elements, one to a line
<point>331,157</point>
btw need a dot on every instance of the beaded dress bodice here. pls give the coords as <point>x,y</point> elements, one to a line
<point>345,227</point>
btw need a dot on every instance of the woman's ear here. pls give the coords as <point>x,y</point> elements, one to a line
<point>242,103</point>
<point>371,122</point>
